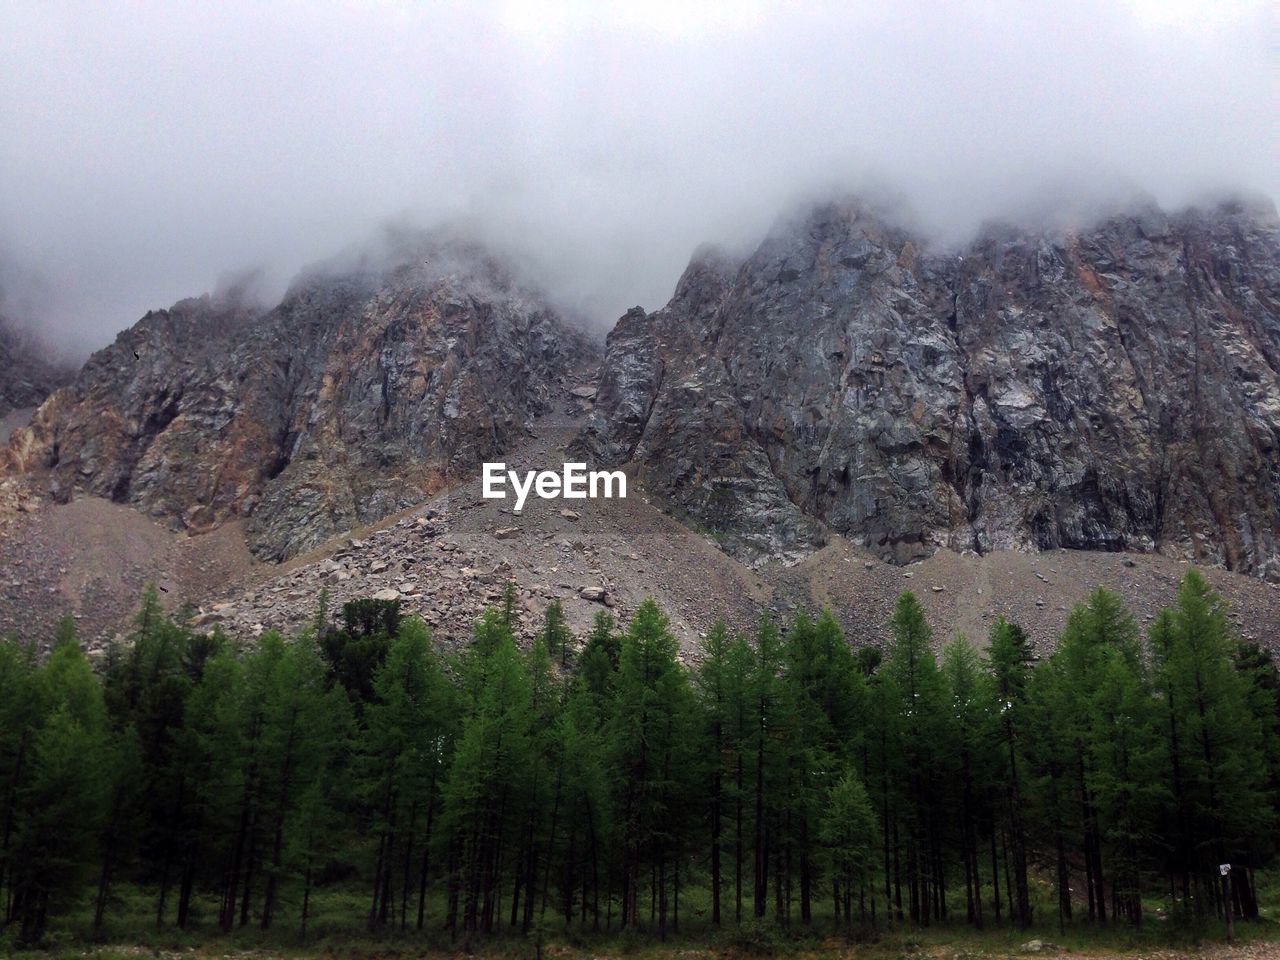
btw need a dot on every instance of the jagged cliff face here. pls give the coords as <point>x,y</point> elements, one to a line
<point>1113,389</point>
<point>360,394</point>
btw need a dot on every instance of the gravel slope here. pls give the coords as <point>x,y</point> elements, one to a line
<point>449,558</point>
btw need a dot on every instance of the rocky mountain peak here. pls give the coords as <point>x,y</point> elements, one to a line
<point>373,381</point>
<point>1107,388</point>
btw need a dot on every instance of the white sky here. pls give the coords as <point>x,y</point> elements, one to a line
<point>146,149</point>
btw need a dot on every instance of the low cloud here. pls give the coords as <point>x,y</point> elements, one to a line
<point>146,153</point>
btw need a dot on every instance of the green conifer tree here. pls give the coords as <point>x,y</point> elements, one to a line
<point>848,833</point>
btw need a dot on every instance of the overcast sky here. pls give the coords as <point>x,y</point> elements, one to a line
<point>146,149</point>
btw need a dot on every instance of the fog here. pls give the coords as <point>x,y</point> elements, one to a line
<point>147,151</point>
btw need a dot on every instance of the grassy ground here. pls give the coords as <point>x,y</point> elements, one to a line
<point>945,945</point>
<point>131,933</point>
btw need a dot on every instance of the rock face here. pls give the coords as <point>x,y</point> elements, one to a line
<point>1109,389</point>
<point>358,395</point>
<point>28,373</point>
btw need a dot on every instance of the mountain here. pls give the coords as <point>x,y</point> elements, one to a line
<point>452,556</point>
<point>370,384</point>
<point>28,371</point>
<point>844,397</point>
<point>1115,388</point>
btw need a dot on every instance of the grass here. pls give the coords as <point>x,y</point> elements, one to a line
<point>131,933</point>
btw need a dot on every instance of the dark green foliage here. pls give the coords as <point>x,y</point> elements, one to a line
<point>598,665</point>
<point>785,781</point>
<point>354,653</point>
<point>404,748</point>
<point>57,788</point>
<point>848,832</point>
<point>556,637</point>
<point>1223,797</point>
<point>1009,661</point>
<point>650,739</point>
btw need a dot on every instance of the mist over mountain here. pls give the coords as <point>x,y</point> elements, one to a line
<point>30,368</point>
<point>1115,388</point>
<point>29,371</point>
<point>379,374</point>
<point>146,156</point>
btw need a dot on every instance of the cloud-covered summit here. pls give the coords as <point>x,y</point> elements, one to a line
<point>145,155</point>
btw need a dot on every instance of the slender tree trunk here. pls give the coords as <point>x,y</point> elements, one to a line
<point>185,888</point>
<point>1021,907</point>
<point>805,878</point>
<point>551,840</point>
<point>995,872</point>
<point>10,806</point>
<point>662,893</point>
<point>675,898</point>
<point>1064,882</point>
<point>715,836</point>
<point>407,865</point>
<point>426,855</point>
<point>377,881</point>
<point>762,864</point>
<point>232,885</point>
<point>277,844</point>
<point>737,852</point>
<point>108,857</point>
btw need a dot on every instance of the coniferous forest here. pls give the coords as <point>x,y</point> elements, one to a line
<point>358,778</point>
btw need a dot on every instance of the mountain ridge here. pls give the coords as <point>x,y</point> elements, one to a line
<point>844,378</point>
<point>352,398</point>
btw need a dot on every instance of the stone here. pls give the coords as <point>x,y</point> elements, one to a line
<point>466,354</point>
<point>390,593</point>
<point>1025,392</point>
<point>506,533</point>
<point>594,594</point>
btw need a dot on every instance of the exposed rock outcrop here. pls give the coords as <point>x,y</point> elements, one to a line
<point>1110,389</point>
<point>358,395</point>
